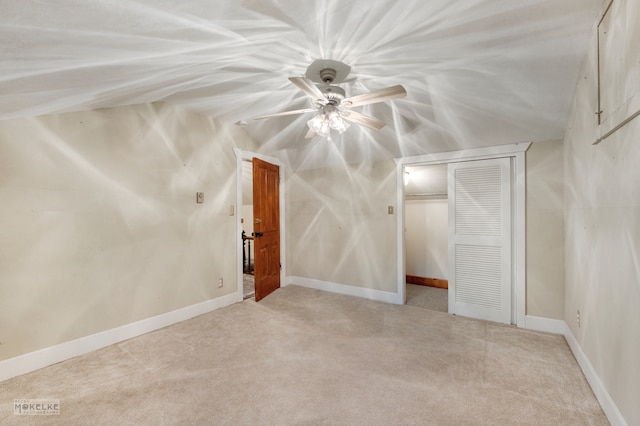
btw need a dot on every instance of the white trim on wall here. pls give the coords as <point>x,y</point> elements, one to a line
<point>348,290</point>
<point>402,272</point>
<point>520,237</point>
<point>600,391</point>
<point>549,325</point>
<point>486,153</point>
<point>248,156</point>
<point>516,151</point>
<point>32,361</point>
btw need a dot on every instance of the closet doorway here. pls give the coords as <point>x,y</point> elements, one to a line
<point>426,236</point>
<point>486,229</point>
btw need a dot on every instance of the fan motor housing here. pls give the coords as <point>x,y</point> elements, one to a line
<point>334,94</point>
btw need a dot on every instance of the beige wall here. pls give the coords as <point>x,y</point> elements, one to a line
<point>602,220</point>
<point>331,214</point>
<point>99,222</point>
<point>545,230</point>
<point>338,228</point>
<point>427,237</point>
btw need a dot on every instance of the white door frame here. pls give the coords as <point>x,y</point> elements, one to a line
<point>248,156</point>
<point>517,153</point>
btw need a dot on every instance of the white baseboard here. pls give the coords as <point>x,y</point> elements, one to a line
<point>606,402</point>
<point>32,361</point>
<point>560,327</point>
<point>545,324</point>
<point>348,290</point>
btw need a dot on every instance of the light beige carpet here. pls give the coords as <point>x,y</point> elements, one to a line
<point>308,357</point>
<point>248,284</point>
<point>420,296</point>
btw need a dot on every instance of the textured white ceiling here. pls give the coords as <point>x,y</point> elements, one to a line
<point>477,72</point>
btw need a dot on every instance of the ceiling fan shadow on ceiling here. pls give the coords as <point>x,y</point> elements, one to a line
<point>334,110</point>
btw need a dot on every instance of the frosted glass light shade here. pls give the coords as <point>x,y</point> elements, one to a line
<point>324,122</point>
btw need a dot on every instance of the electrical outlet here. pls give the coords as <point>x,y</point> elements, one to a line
<point>220,283</point>
<point>390,209</point>
<point>578,317</point>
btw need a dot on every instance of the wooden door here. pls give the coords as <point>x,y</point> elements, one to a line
<point>480,239</point>
<point>266,227</point>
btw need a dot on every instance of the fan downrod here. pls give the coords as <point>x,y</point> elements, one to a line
<point>327,75</point>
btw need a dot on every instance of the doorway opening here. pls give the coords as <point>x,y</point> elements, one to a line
<point>426,236</point>
<point>248,240</point>
<point>259,225</point>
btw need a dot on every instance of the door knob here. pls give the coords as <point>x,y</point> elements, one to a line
<point>258,220</point>
<point>258,234</point>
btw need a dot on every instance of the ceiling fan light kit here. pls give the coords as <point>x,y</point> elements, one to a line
<point>329,100</point>
<point>330,119</point>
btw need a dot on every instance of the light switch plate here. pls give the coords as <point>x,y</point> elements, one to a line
<point>199,197</point>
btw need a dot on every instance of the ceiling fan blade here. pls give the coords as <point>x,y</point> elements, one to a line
<point>310,134</point>
<point>310,89</point>
<point>363,120</point>
<point>281,114</point>
<point>381,95</point>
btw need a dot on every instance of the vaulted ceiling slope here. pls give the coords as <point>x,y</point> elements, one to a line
<point>477,72</point>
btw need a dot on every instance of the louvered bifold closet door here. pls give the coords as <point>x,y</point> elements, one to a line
<point>480,239</point>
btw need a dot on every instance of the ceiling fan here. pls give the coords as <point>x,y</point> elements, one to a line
<point>329,101</point>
